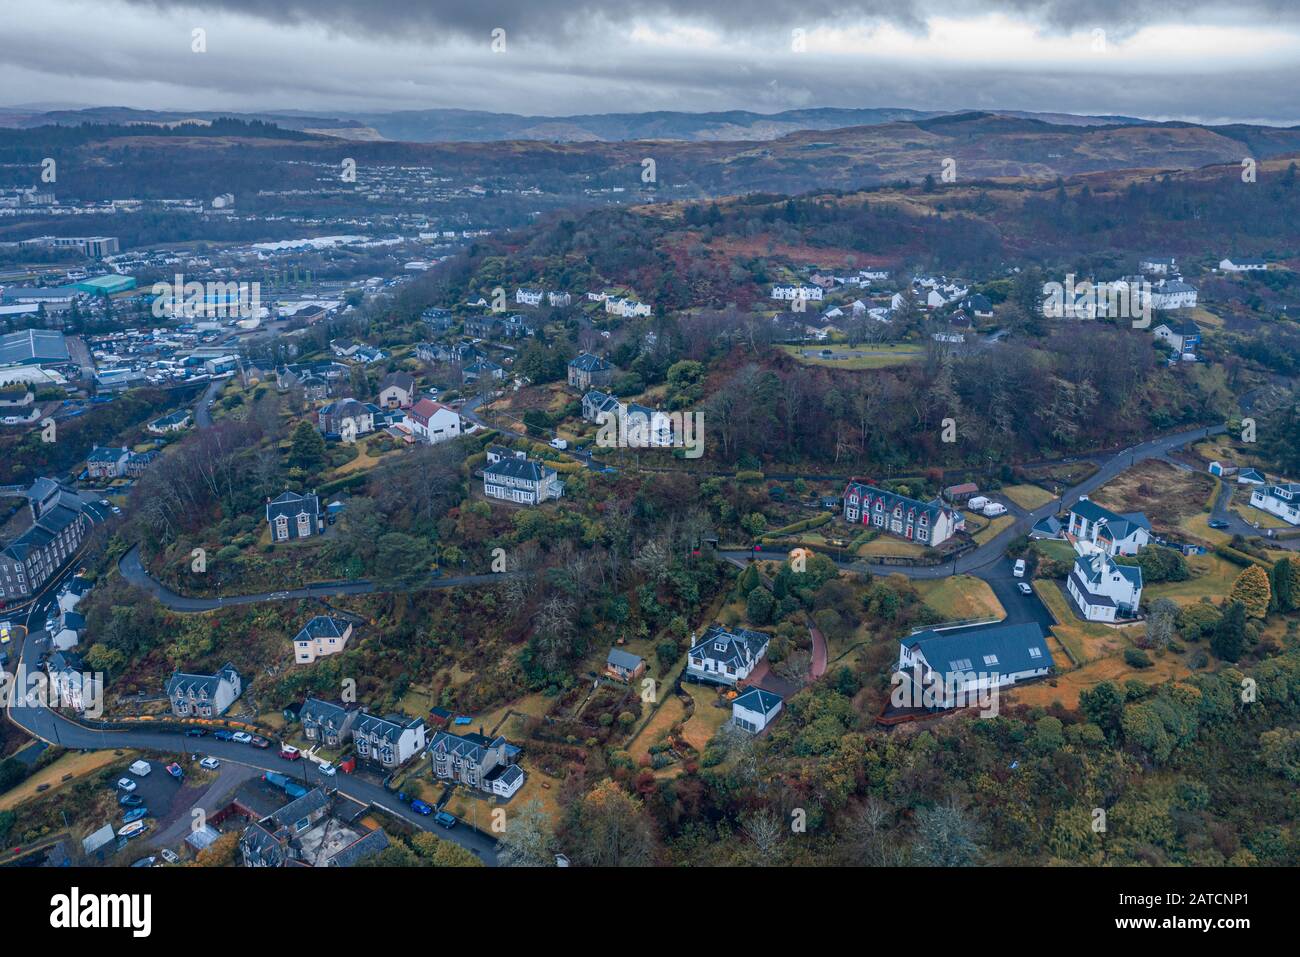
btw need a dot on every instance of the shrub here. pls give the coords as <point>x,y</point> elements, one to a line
<point>1137,658</point>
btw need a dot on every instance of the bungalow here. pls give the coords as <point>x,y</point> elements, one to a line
<point>174,422</point>
<point>397,391</point>
<point>1103,590</point>
<point>725,657</point>
<point>978,305</point>
<point>755,709</point>
<point>522,481</point>
<point>321,636</point>
<point>587,371</point>
<point>294,516</point>
<point>390,741</point>
<point>204,696</point>
<point>1243,265</point>
<point>1117,534</point>
<point>930,523</point>
<point>947,669</point>
<point>1282,500</point>
<point>326,723</point>
<point>623,665</point>
<point>432,422</point>
<point>1251,477</point>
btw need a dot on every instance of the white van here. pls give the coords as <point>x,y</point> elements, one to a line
<point>995,508</point>
<point>559,443</point>
<point>977,503</point>
<point>140,768</point>
<point>1019,570</point>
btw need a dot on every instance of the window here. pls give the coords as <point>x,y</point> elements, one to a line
<point>1035,652</point>
<point>961,664</point>
<point>990,659</point>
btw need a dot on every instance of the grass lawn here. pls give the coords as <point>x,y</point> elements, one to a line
<point>1262,518</point>
<point>1055,549</point>
<point>707,719</point>
<point>74,763</point>
<point>880,356</point>
<point>1211,577</point>
<point>668,714</point>
<point>1197,526</point>
<point>995,527</point>
<point>960,597</point>
<point>1085,640</point>
<point>1028,497</point>
<point>1111,668</point>
<point>887,545</point>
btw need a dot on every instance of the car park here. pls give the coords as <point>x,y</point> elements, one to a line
<point>210,763</point>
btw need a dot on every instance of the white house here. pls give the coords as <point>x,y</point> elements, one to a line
<point>528,297</point>
<point>1117,534</point>
<point>321,636</point>
<point>789,292</point>
<point>558,299</point>
<point>724,657</point>
<point>953,668</point>
<point>1103,590</point>
<point>930,523</point>
<point>432,422</point>
<point>204,696</point>
<point>1158,265</point>
<point>755,709</point>
<point>390,741</point>
<point>1243,265</point>
<point>1280,500</point>
<point>1183,336</point>
<point>1172,294</point>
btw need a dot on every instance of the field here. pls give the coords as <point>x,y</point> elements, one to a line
<point>1055,549</point>
<point>960,597</point>
<point>887,546</point>
<point>1212,577</point>
<point>1028,497</point>
<point>994,528</point>
<point>1167,494</point>
<point>73,765</point>
<point>864,356</point>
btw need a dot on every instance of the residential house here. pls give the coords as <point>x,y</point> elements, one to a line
<point>321,636</point>
<point>483,369</point>
<point>1117,534</point>
<point>71,685</point>
<point>521,480</point>
<point>485,326</point>
<point>1172,294</point>
<point>528,297</point>
<point>623,665</point>
<point>645,427</point>
<point>630,308</point>
<point>595,403</point>
<point>204,696</point>
<point>1282,500</point>
<point>789,292</point>
<point>1243,265</point>
<point>558,300</point>
<point>755,709</point>
<point>1158,265</point>
<point>309,831</point>
<point>587,371</point>
<point>477,761</point>
<point>390,741</point>
<point>432,422</point>
<point>978,305</point>
<point>495,453</point>
<point>437,318</point>
<point>929,523</point>
<point>59,526</point>
<point>326,723</point>
<point>333,419</point>
<point>107,463</point>
<point>957,667</point>
<point>174,422</point>
<point>294,516</point>
<point>1103,590</point>
<point>1251,477</point>
<point>397,391</point>
<point>1182,335</point>
<point>725,657</point>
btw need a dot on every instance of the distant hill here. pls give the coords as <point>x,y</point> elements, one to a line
<point>471,126</point>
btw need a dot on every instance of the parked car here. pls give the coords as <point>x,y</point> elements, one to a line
<point>126,784</point>
<point>445,819</point>
<point>140,768</point>
<point>241,737</point>
<point>130,800</point>
<point>170,856</point>
<point>1019,570</point>
<point>223,735</point>
<point>1025,589</point>
<point>195,732</point>
<point>1217,523</point>
<point>419,807</point>
<point>134,815</point>
<point>290,753</point>
<point>328,769</point>
<point>210,763</point>
<point>258,741</point>
<point>175,771</point>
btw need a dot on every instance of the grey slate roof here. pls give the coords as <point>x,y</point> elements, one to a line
<point>295,810</point>
<point>587,362</point>
<point>758,699</point>
<point>290,505</point>
<point>1011,647</point>
<point>519,469</point>
<point>185,683</point>
<point>623,659</point>
<point>323,626</point>
<point>739,647</point>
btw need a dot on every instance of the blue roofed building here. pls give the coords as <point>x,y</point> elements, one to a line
<point>949,669</point>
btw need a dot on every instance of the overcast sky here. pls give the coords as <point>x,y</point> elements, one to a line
<point>1208,62</point>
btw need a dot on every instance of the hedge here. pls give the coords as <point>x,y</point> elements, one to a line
<point>802,526</point>
<point>355,480</point>
<point>1238,557</point>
